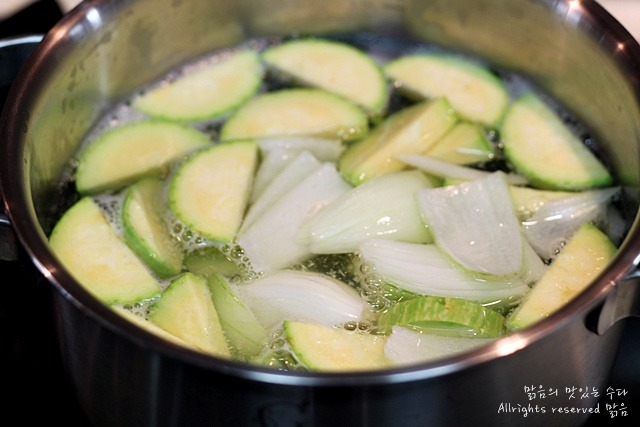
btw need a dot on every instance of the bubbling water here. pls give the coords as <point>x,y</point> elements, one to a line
<point>348,268</point>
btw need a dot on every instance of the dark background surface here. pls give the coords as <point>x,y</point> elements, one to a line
<point>36,389</point>
<point>32,374</point>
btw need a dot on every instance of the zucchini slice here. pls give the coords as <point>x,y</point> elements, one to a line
<point>323,348</point>
<point>185,309</point>
<point>209,260</point>
<point>528,200</point>
<point>475,92</point>
<point>245,334</point>
<point>98,258</point>
<point>148,325</point>
<point>412,130</point>
<point>206,93</point>
<point>583,258</point>
<point>445,316</point>
<point>542,148</point>
<point>334,66</point>
<point>125,154</point>
<point>297,112</point>
<point>466,143</point>
<point>209,192</point>
<point>145,230</point>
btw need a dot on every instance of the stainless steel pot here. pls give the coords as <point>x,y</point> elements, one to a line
<point>105,49</point>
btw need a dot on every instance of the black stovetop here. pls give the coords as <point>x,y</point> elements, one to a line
<point>33,374</point>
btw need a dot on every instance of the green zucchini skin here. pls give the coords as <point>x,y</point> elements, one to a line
<point>543,149</point>
<point>472,89</point>
<point>334,66</point>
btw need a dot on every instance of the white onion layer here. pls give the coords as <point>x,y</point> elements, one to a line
<point>405,347</point>
<point>426,270</point>
<point>300,296</point>
<point>476,224</point>
<point>555,222</point>
<point>383,207</point>
<point>449,170</point>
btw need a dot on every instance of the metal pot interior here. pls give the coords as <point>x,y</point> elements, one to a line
<point>104,50</point>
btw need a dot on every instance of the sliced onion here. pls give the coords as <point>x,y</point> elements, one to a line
<point>476,224</point>
<point>300,296</point>
<point>405,347</point>
<point>324,149</point>
<point>534,267</point>
<point>278,152</point>
<point>426,270</point>
<point>383,207</point>
<point>295,171</point>
<point>555,222</point>
<point>271,164</point>
<point>271,242</point>
<point>449,170</point>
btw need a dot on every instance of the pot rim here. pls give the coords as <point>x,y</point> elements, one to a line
<point>16,200</point>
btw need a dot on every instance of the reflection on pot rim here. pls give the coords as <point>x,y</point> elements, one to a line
<point>67,39</point>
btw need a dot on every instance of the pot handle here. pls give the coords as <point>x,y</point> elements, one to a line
<point>622,302</point>
<point>8,241</point>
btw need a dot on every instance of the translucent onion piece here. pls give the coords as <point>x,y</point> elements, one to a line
<point>383,207</point>
<point>426,270</point>
<point>405,347</point>
<point>554,223</point>
<point>271,241</point>
<point>302,165</point>
<point>448,170</point>
<point>300,296</point>
<point>279,151</point>
<point>323,149</point>
<point>534,267</point>
<point>475,223</point>
<point>271,164</point>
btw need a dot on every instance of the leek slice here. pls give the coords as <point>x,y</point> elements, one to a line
<point>426,270</point>
<point>551,226</point>
<point>448,170</point>
<point>383,207</point>
<point>475,223</point>
<point>271,242</point>
<point>300,296</point>
<point>407,347</point>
